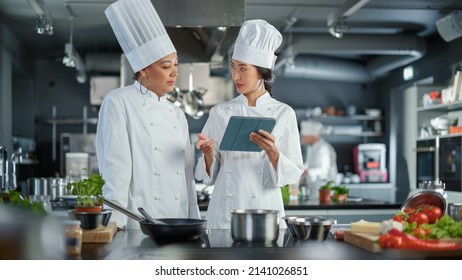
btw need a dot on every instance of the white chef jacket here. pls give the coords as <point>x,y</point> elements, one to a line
<point>248,180</point>
<point>145,155</point>
<point>321,163</point>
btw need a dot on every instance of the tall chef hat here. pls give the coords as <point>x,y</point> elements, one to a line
<point>256,43</point>
<point>310,127</point>
<point>140,32</point>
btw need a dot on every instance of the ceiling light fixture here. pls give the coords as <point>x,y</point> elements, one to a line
<point>338,27</point>
<point>72,58</point>
<point>44,24</point>
<point>336,23</point>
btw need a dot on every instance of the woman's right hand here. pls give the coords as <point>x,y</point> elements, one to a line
<point>207,147</point>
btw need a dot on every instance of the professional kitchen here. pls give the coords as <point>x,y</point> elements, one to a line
<point>377,83</point>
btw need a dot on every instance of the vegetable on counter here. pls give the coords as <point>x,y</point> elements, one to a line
<point>396,239</point>
<point>16,201</point>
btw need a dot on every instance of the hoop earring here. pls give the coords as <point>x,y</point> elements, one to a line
<point>141,83</point>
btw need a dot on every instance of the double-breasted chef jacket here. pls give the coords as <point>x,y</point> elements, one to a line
<point>145,155</point>
<point>248,180</point>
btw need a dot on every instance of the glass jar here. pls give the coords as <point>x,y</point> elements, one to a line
<point>73,237</point>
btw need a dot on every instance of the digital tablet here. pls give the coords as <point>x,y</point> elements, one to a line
<point>236,137</point>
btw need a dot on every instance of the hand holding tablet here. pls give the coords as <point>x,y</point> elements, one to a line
<point>236,137</point>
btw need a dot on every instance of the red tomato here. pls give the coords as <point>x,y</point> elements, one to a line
<point>434,214</point>
<point>419,218</point>
<point>419,232</point>
<point>399,217</point>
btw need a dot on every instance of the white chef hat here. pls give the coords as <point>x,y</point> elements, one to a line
<point>140,32</point>
<point>310,127</point>
<point>256,43</point>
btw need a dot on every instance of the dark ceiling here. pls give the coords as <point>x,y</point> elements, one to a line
<point>300,21</point>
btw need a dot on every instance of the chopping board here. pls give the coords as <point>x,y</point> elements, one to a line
<point>367,241</point>
<point>100,234</point>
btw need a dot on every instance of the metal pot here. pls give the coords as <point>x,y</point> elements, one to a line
<point>37,186</point>
<point>255,225</point>
<point>57,188</point>
<point>173,230</point>
<point>431,197</point>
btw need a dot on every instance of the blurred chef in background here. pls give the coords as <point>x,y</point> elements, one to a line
<point>320,157</point>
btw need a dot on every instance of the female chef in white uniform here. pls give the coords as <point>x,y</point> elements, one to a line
<point>250,180</point>
<point>142,142</point>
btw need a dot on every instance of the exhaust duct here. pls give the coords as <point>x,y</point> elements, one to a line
<point>393,51</point>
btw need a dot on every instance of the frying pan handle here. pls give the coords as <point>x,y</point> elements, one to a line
<point>124,210</point>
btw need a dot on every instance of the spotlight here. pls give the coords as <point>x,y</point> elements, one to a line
<point>44,25</point>
<point>338,27</point>
<point>69,57</point>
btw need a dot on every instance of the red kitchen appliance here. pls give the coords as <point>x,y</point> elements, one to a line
<point>370,162</point>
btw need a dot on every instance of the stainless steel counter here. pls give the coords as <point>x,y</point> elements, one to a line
<point>218,245</point>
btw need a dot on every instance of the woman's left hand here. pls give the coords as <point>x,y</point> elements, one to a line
<point>267,143</point>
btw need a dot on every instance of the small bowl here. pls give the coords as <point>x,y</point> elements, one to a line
<point>314,228</point>
<point>373,112</point>
<point>292,227</point>
<point>89,220</point>
<point>455,211</point>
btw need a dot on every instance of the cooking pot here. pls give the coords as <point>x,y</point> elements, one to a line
<point>430,197</point>
<point>173,230</point>
<point>255,225</point>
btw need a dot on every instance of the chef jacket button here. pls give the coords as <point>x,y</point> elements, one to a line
<point>155,148</point>
<point>178,173</point>
<point>144,103</point>
<point>269,109</point>
<point>228,220</point>
<point>230,195</point>
<point>152,124</point>
<point>156,198</point>
<point>254,196</point>
<point>177,197</point>
<point>230,171</point>
<point>258,173</point>
<point>157,173</point>
<point>175,127</point>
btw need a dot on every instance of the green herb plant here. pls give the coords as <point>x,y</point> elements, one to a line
<point>328,186</point>
<point>16,201</point>
<point>89,191</point>
<point>340,190</point>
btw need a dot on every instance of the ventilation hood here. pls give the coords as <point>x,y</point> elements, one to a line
<point>312,56</point>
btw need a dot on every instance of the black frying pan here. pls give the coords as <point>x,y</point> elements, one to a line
<point>174,230</point>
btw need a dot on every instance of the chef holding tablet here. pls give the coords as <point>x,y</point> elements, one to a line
<point>250,179</point>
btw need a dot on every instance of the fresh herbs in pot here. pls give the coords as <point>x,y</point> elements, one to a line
<point>89,191</point>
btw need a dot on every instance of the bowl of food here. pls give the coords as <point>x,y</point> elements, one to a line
<point>425,197</point>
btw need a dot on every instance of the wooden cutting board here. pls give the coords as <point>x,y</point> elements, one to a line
<point>100,234</point>
<point>367,241</point>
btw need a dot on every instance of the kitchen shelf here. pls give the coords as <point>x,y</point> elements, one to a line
<point>457,105</point>
<point>351,118</point>
<point>362,134</point>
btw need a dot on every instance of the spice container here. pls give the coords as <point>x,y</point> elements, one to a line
<point>73,237</point>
